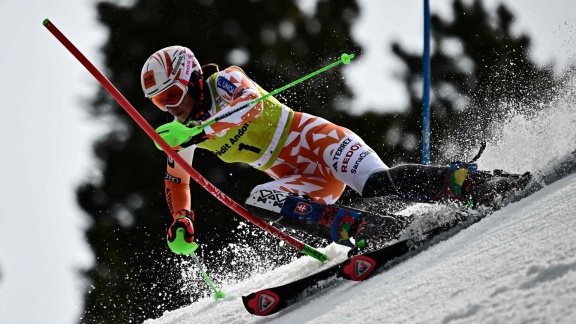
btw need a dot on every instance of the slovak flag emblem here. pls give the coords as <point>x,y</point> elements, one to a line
<point>303,208</point>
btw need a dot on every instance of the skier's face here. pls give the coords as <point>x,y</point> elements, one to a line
<point>176,100</point>
<point>183,110</point>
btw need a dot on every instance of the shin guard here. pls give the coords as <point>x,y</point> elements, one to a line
<point>334,223</point>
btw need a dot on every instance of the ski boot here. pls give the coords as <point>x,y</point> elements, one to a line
<point>490,189</point>
<point>374,231</point>
<point>464,183</point>
<point>458,181</point>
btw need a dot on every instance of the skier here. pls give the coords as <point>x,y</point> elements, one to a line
<point>310,159</point>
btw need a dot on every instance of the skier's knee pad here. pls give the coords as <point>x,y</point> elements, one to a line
<point>286,210</point>
<point>298,213</point>
<point>267,204</point>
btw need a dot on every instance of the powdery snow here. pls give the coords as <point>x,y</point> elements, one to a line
<point>516,265</point>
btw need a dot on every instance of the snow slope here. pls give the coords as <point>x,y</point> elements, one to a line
<point>517,265</point>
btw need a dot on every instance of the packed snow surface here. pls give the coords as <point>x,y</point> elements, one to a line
<point>517,265</point>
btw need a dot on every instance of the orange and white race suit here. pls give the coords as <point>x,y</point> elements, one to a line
<point>304,154</point>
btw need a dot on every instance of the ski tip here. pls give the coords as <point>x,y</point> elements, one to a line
<point>46,22</point>
<point>246,300</point>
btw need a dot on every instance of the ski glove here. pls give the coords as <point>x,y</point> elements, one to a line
<point>178,135</point>
<point>182,219</point>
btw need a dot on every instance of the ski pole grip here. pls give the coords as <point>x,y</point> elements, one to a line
<point>310,251</point>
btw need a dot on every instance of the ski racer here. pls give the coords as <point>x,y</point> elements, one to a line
<point>309,159</point>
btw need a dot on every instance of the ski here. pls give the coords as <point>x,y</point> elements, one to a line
<point>272,300</point>
<point>362,266</point>
<point>356,268</point>
<point>359,267</point>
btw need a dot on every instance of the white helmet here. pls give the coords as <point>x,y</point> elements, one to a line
<point>166,66</point>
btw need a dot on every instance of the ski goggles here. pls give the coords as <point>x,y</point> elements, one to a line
<point>171,96</point>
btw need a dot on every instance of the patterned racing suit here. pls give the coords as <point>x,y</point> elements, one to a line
<point>304,154</point>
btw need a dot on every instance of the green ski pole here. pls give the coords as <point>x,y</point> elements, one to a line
<point>180,246</point>
<point>218,294</point>
<point>175,133</point>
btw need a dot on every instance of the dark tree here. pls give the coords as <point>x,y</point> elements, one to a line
<point>481,74</point>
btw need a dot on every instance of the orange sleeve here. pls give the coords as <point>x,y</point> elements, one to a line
<point>177,183</point>
<point>177,196</point>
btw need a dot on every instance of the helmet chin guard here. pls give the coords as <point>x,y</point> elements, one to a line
<point>197,89</point>
<point>165,67</point>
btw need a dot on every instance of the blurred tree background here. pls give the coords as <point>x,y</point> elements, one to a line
<point>481,75</point>
<point>479,69</point>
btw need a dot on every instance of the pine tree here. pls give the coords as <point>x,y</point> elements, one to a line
<point>481,74</point>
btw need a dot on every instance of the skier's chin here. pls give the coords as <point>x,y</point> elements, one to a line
<point>183,117</point>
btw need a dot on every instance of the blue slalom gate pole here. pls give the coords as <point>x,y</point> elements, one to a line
<point>426,86</point>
